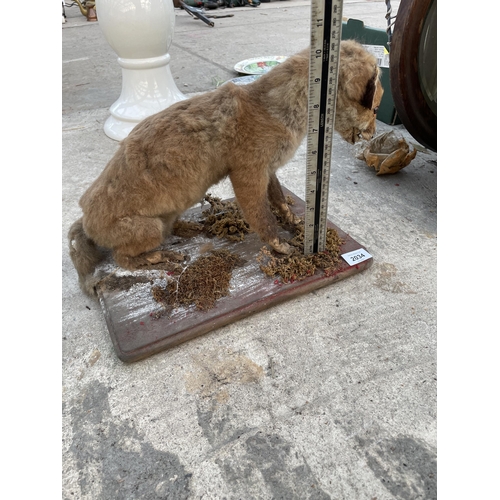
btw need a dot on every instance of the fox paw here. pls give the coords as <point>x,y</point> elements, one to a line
<point>280,246</point>
<point>155,258</point>
<point>295,219</point>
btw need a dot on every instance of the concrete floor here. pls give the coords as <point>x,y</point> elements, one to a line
<point>330,395</point>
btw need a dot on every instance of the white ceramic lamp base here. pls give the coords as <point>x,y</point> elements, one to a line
<point>141,34</point>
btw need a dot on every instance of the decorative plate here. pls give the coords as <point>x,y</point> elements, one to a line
<point>258,65</point>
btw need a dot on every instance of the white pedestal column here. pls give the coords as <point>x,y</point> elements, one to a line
<point>140,32</point>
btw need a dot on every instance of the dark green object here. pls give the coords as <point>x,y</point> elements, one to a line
<point>354,29</point>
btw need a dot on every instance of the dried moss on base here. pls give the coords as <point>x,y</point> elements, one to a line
<point>207,279</point>
<point>224,219</point>
<point>202,283</point>
<point>297,266</point>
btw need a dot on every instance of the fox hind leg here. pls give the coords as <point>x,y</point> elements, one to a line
<point>136,235</point>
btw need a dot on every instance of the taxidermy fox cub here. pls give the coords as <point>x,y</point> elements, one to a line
<point>170,159</point>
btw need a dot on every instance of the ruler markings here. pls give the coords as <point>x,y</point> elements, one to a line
<point>322,120</point>
<point>326,25</point>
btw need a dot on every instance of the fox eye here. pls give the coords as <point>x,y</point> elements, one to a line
<point>375,110</point>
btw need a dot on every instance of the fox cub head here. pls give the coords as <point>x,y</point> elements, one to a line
<point>359,93</point>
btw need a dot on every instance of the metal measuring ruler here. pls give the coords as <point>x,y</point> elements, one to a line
<point>326,33</point>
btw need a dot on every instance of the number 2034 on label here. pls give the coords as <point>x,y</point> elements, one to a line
<point>356,256</point>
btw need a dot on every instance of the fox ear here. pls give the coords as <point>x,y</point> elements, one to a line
<point>367,99</point>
